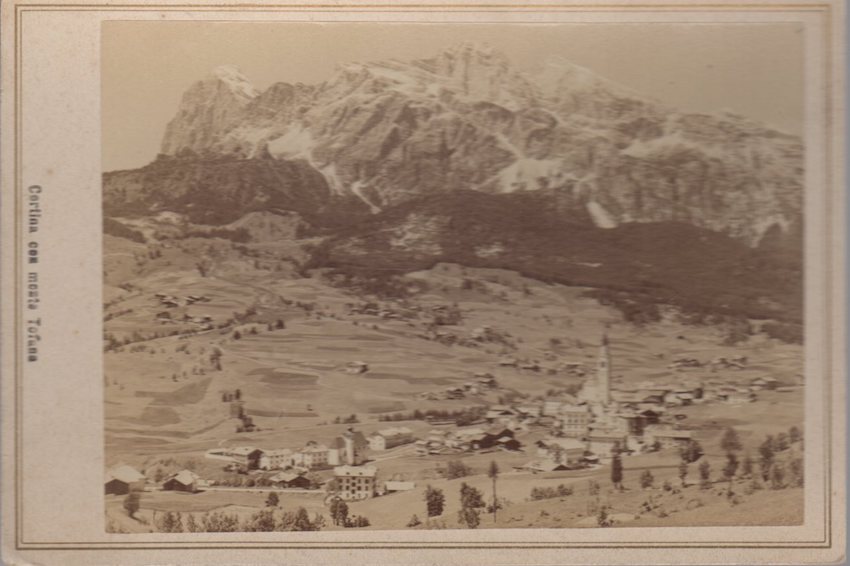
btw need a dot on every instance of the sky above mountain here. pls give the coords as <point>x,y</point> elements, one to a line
<point>754,70</point>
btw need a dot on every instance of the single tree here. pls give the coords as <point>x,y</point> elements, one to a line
<point>471,500</point>
<point>456,469</point>
<point>602,518</point>
<point>434,501</point>
<point>646,479</point>
<point>192,526</point>
<point>796,472</point>
<point>262,521</point>
<point>731,467</point>
<point>339,511</point>
<point>794,435</point>
<point>297,521</point>
<point>470,497</point>
<point>469,517</point>
<point>617,470</point>
<point>691,452</point>
<point>493,474</point>
<point>777,476</point>
<point>747,466</point>
<point>414,521</point>
<point>132,503</point>
<point>766,457</point>
<point>730,441</point>
<point>272,500</point>
<point>705,474</point>
<point>683,471</point>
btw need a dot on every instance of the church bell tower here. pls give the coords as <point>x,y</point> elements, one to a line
<point>603,373</point>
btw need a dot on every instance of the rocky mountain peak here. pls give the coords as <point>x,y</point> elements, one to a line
<point>208,109</point>
<point>239,85</point>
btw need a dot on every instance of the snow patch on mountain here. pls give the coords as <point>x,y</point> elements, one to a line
<point>297,142</point>
<point>526,173</point>
<point>667,145</point>
<point>357,190</point>
<point>601,217</point>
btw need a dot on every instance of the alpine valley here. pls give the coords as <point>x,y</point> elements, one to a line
<point>444,242</point>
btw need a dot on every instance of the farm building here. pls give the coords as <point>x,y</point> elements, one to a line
<point>396,486</point>
<point>184,480</point>
<point>286,480</point>
<point>602,443</point>
<point>568,451</point>
<point>390,438</point>
<point>546,465</point>
<point>667,436</point>
<point>123,479</point>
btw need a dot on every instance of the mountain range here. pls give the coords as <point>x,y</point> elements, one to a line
<point>392,146</point>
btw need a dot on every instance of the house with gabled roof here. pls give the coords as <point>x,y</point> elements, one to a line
<point>390,438</point>
<point>184,480</point>
<point>123,479</point>
<point>290,480</point>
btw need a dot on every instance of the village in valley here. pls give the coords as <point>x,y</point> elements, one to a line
<point>575,436</point>
<point>473,286</point>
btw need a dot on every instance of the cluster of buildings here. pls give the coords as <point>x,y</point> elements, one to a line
<point>467,440</point>
<point>122,479</point>
<point>587,427</point>
<point>346,455</point>
<point>204,322</point>
<point>481,383</point>
<point>348,449</point>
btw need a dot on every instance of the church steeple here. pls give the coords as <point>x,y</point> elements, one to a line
<point>603,373</point>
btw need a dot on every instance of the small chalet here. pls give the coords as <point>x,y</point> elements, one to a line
<point>396,486</point>
<point>546,465</point>
<point>123,479</point>
<point>390,438</point>
<point>602,443</point>
<point>667,437</point>
<point>568,451</point>
<point>288,480</point>
<point>183,480</point>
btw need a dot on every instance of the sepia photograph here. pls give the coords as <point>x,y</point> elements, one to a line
<point>408,277</point>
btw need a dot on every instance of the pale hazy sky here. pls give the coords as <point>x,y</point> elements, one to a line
<point>752,69</point>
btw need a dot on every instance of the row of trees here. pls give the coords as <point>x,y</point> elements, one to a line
<point>340,516</point>
<point>730,443</point>
<point>471,501</point>
<point>265,520</point>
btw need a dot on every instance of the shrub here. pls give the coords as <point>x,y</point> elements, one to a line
<point>414,521</point>
<point>457,469</point>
